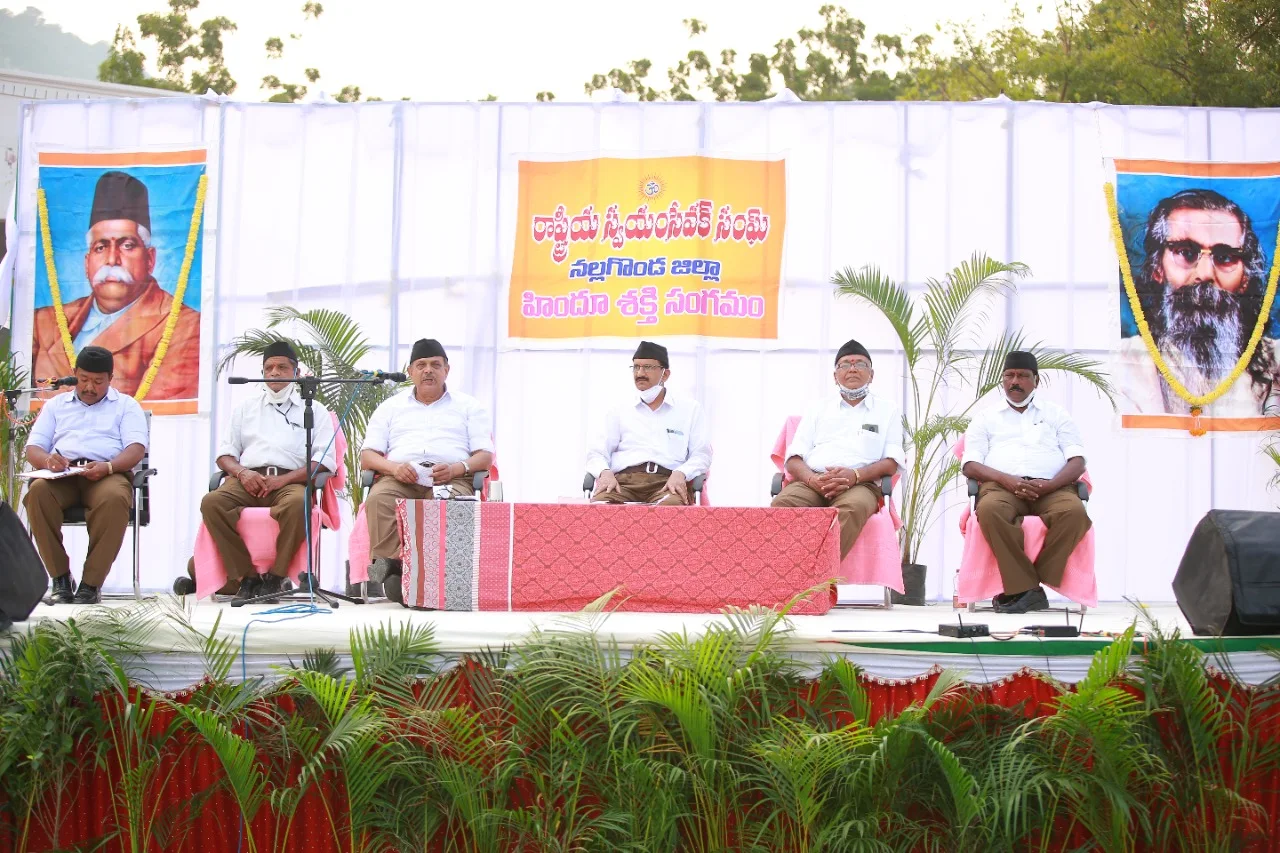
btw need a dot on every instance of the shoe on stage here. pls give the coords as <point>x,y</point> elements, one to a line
<point>64,589</point>
<point>1021,602</point>
<point>87,595</point>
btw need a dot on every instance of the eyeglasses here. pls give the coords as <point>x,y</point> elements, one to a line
<point>1187,253</point>
<point>846,366</point>
<point>647,368</point>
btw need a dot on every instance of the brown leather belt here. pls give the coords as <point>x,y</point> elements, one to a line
<point>271,470</point>
<point>647,468</point>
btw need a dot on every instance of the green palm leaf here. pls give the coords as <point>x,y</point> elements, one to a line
<point>891,299</point>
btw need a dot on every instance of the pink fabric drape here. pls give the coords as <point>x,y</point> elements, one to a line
<point>259,531</point>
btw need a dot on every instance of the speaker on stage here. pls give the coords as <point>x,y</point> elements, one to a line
<point>1228,582</point>
<point>23,580</point>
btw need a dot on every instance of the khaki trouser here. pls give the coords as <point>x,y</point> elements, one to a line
<point>380,511</point>
<point>853,506</point>
<point>106,502</point>
<point>1000,515</point>
<point>642,488</point>
<point>221,510</point>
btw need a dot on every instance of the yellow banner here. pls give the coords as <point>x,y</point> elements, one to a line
<point>648,246</point>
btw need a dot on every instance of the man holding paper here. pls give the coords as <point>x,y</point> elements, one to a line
<point>103,432</point>
<point>424,437</point>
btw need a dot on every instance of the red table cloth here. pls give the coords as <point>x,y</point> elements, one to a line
<point>466,555</point>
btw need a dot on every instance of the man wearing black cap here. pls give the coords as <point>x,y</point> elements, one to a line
<point>1028,456</point>
<point>127,310</point>
<point>103,433</point>
<point>651,447</point>
<point>264,455</point>
<point>425,436</point>
<point>843,446</point>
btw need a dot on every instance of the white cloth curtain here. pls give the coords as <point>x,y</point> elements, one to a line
<point>402,215</point>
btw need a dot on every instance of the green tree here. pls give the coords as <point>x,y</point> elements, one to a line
<point>1169,52</point>
<point>177,42</point>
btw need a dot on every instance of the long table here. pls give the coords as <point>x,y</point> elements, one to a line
<point>467,555</point>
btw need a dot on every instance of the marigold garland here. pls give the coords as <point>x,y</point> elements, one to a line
<point>1126,274</point>
<point>42,205</point>
<point>175,308</point>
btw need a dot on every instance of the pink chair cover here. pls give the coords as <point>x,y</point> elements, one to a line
<point>875,557</point>
<point>980,576</point>
<point>358,545</point>
<point>259,531</point>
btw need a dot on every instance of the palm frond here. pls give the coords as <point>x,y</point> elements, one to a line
<point>991,365</point>
<point>337,336</point>
<point>890,298</point>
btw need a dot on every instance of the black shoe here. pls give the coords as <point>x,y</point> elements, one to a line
<point>382,568</point>
<point>183,586</point>
<point>87,595</point>
<point>392,590</point>
<point>64,589</point>
<point>1023,602</point>
<point>272,585</point>
<point>248,588</point>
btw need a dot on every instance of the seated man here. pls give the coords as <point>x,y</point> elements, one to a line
<point>97,428</point>
<point>1028,456</point>
<point>424,436</point>
<point>652,447</point>
<point>264,455</point>
<point>843,446</point>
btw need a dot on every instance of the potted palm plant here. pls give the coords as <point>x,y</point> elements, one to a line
<point>944,342</point>
<point>13,429</point>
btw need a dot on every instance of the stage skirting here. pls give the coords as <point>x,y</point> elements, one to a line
<point>899,662</point>
<point>466,555</point>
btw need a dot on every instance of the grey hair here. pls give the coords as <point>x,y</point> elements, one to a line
<point>1157,232</point>
<point>144,234</point>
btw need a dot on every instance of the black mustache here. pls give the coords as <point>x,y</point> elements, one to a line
<point>1015,387</point>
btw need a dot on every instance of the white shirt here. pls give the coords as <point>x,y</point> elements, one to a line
<point>834,434</point>
<point>95,324</point>
<point>1036,443</point>
<point>675,436</point>
<point>98,432</point>
<point>264,433</point>
<point>448,430</point>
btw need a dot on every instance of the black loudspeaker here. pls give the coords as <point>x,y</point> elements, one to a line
<point>1228,582</point>
<point>23,580</point>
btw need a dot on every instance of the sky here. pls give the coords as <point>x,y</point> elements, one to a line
<point>449,51</point>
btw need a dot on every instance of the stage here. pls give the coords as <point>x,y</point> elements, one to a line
<point>900,644</point>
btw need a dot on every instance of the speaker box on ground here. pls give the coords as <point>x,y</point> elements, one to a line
<point>23,580</point>
<point>1228,582</point>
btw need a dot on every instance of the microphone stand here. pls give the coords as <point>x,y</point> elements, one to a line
<point>307,386</point>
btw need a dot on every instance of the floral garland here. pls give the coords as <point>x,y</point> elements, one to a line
<point>1197,402</point>
<point>175,308</point>
<point>42,204</point>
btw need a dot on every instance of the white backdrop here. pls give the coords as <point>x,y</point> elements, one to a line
<point>402,215</point>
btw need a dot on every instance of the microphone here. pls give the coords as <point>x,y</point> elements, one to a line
<point>58,383</point>
<point>237,380</point>
<point>387,377</point>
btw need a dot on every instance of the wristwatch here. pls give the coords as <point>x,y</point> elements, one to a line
<point>466,469</point>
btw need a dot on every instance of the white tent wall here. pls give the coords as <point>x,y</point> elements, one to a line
<point>402,215</point>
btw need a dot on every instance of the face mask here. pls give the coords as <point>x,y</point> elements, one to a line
<point>853,395</point>
<point>651,393</point>
<point>1024,403</point>
<point>278,396</point>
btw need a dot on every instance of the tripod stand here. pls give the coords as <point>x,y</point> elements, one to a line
<point>307,386</point>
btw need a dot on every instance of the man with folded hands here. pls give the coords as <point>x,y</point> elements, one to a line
<point>843,446</point>
<point>652,445</point>
<point>104,432</point>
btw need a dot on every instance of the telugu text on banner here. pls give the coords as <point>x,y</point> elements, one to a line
<point>630,247</point>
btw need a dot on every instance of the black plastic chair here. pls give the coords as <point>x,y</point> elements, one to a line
<point>139,513</point>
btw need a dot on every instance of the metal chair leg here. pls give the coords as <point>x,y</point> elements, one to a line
<point>137,559</point>
<point>888,598</point>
